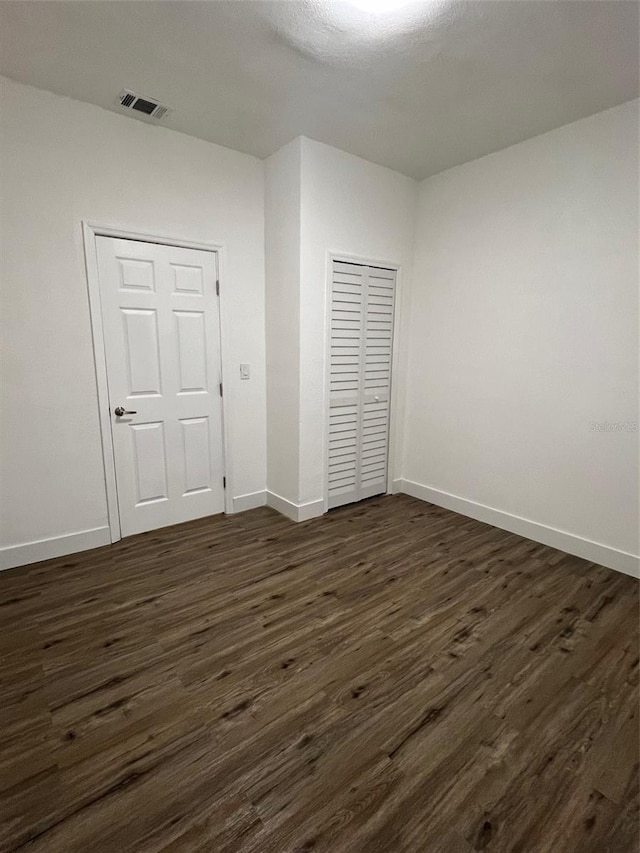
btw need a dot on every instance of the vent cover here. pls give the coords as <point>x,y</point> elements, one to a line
<point>145,106</point>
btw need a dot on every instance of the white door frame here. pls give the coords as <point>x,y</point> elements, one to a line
<point>90,231</point>
<point>395,360</point>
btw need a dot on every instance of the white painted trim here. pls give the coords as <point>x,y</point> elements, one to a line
<point>282,505</point>
<point>393,463</point>
<point>226,330</point>
<point>125,233</point>
<point>100,364</point>
<point>396,486</point>
<point>90,231</point>
<point>595,552</point>
<point>311,509</point>
<point>296,512</point>
<point>250,501</point>
<point>345,257</point>
<point>58,546</point>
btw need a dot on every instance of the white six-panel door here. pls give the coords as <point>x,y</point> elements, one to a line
<point>162,346</point>
<point>362,306</point>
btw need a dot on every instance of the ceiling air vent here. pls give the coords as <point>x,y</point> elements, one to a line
<point>145,106</point>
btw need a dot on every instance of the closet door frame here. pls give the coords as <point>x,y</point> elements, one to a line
<point>395,364</point>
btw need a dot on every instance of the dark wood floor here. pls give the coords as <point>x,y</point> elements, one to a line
<point>391,677</point>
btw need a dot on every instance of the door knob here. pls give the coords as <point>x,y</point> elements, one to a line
<point>119,412</point>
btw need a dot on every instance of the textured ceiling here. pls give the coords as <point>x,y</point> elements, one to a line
<point>429,86</point>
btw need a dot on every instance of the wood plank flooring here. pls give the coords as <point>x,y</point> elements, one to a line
<point>390,677</point>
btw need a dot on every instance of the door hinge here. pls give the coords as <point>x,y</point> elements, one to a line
<point>217,287</point>
<point>224,482</point>
<point>220,386</point>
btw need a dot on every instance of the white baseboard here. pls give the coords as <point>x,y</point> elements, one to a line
<point>312,509</point>
<point>595,552</point>
<point>282,505</point>
<point>57,546</point>
<point>250,501</point>
<point>296,512</point>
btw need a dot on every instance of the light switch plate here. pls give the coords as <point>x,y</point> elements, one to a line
<point>245,371</point>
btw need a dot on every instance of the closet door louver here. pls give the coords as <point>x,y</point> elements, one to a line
<point>362,303</point>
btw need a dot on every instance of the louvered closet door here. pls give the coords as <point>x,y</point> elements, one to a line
<point>362,303</point>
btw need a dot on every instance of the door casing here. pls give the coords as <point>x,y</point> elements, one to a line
<point>90,231</point>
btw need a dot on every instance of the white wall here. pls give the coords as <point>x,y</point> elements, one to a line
<point>518,320</point>
<point>523,332</point>
<point>64,161</point>
<point>282,256</point>
<point>319,200</point>
<point>353,207</point>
